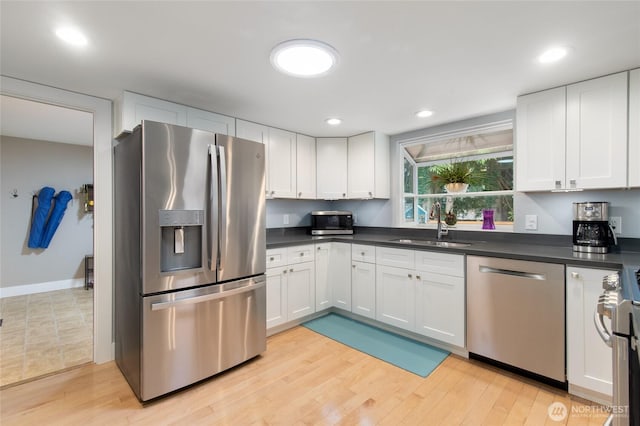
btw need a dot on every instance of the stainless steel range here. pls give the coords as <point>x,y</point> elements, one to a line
<point>619,302</point>
<point>190,248</point>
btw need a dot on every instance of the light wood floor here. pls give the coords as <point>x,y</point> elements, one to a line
<point>302,378</point>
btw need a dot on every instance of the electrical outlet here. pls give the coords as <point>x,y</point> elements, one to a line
<point>355,218</point>
<point>285,219</point>
<point>531,222</point>
<point>616,224</point>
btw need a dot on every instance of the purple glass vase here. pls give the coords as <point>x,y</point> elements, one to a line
<point>487,219</point>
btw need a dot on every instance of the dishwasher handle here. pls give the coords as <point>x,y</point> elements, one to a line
<point>598,320</point>
<point>207,297</point>
<point>529,275</point>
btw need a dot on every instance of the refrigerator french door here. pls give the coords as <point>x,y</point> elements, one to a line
<point>189,255</point>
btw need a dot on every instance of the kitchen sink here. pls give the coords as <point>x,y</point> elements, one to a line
<point>433,243</point>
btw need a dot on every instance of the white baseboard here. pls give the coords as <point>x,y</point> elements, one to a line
<point>20,290</point>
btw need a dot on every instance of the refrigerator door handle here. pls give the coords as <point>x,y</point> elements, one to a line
<point>207,297</point>
<point>212,234</point>
<point>223,206</point>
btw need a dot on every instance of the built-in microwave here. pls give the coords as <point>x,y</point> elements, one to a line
<point>331,222</point>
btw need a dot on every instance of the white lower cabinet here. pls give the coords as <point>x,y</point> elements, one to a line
<point>589,359</point>
<point>395,296</point>
<point>340,275</point>
<point>323,293</point>
<point>290,284</point>
<point>276,296</point>
<point>363,289</point>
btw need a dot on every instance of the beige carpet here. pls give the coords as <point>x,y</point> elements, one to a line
<point>45,332</point>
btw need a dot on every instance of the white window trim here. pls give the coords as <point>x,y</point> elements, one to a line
<point>466,131</point>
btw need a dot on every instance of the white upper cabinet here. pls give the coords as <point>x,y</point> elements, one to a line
<point>252,131</point>
<point>540,140</point>
<point>597,133</point>
<point>281,163</point>
<point>305,167</point>
<point>368,166</point>
<point>573,137</point>
<point>132,108</point>
<point>331,169</point>
<point>634,128</point>
<point>210,121</point>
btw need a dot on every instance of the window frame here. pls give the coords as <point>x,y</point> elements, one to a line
<point>461,132</point>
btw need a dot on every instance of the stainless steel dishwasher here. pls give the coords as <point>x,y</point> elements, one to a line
<point>516,314</point>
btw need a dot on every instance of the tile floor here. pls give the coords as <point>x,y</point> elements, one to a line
<point>45,332</point>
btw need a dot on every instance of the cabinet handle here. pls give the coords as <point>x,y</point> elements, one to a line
<point>273,192</point>
<point>575,275</point>
<point>284,272</point>
<point>299,194</point>
<point>362,253</point>
<point>318,248</point>
<point>370,194</point>
<point>572,183</point>
<point>353,266</point>
<point>344,195</point>
<point>301,254</point>
<point>291,270</point>
<point>418,277</point>
<point>271,259</point>
<point>410,276</point>
<point>558,184</point>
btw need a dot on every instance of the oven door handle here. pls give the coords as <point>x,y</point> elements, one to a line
<point>598,320</point>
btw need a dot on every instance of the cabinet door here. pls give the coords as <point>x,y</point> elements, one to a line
<point>210,121</point>
<point>634,128</point>
<point>540,140</point>
<point>589,359</point>
<point>300,290</point>
<point>340,275</point>
<point>323,290</point>
<point>363,289</point>
<point>361,166</point>
<point>252,131</point>
<point>281,163</point>
<point>395,296</point>
<point>597,133</point>
<point>132,108</point>
<point>331,171</point>
<point>305,167</point>
<point>276,296</point>
<point>440,310</point>
<point>276,257</point>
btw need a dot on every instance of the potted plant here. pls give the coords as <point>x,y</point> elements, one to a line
<point>454,176</point>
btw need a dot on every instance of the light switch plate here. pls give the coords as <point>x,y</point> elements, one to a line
<point>285,219</point>
<point>531,222</point>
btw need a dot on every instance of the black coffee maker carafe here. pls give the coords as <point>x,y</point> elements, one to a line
<point>591,230</point>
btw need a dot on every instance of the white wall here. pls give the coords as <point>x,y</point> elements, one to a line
<point>26,166</point>
<point>297,210</point>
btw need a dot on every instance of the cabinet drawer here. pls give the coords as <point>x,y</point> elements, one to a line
<point>276,257</point>
<point>399,258</point>
<point>300,254</point>
<point>440,263</point>
<point>362,253</point>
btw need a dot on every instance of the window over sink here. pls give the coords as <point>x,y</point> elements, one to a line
<point>479,159</point>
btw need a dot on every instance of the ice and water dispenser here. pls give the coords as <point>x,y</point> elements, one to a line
<point>181,239</point>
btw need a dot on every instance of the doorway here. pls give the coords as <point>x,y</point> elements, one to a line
<point>46,295</point>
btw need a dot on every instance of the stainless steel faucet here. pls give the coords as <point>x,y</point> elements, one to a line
<point>441,228</point>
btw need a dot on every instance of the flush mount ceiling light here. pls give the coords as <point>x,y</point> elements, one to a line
<point>333,121</point>
<point>552,55</point>
<point>304,58</point>
<point>424,113</point>
<point>72,36</point>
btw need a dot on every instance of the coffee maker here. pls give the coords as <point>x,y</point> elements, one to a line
<point>591,230</point>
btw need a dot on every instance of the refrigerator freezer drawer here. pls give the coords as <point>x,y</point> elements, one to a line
<point>193,334</point>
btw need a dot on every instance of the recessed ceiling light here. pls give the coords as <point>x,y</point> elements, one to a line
<point>304,58</point>
<point>72,36</point>
<point>424,113</point>
<point>333,121</point>
<point>552,55</point>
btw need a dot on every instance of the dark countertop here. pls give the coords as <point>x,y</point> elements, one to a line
<point>537,248</point>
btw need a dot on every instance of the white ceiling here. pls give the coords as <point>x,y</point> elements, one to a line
<point>460,59</point>
<point>22,118</point>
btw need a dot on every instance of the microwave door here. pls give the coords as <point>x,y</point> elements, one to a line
<point>242,221</point>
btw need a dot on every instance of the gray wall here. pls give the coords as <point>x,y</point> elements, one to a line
<point>28,165</point>
<point>298,211</point>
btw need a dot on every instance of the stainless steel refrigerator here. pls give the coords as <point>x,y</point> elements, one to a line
<point>190,296</point>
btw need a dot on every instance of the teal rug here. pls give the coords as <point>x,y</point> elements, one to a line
<point>416,357</point>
